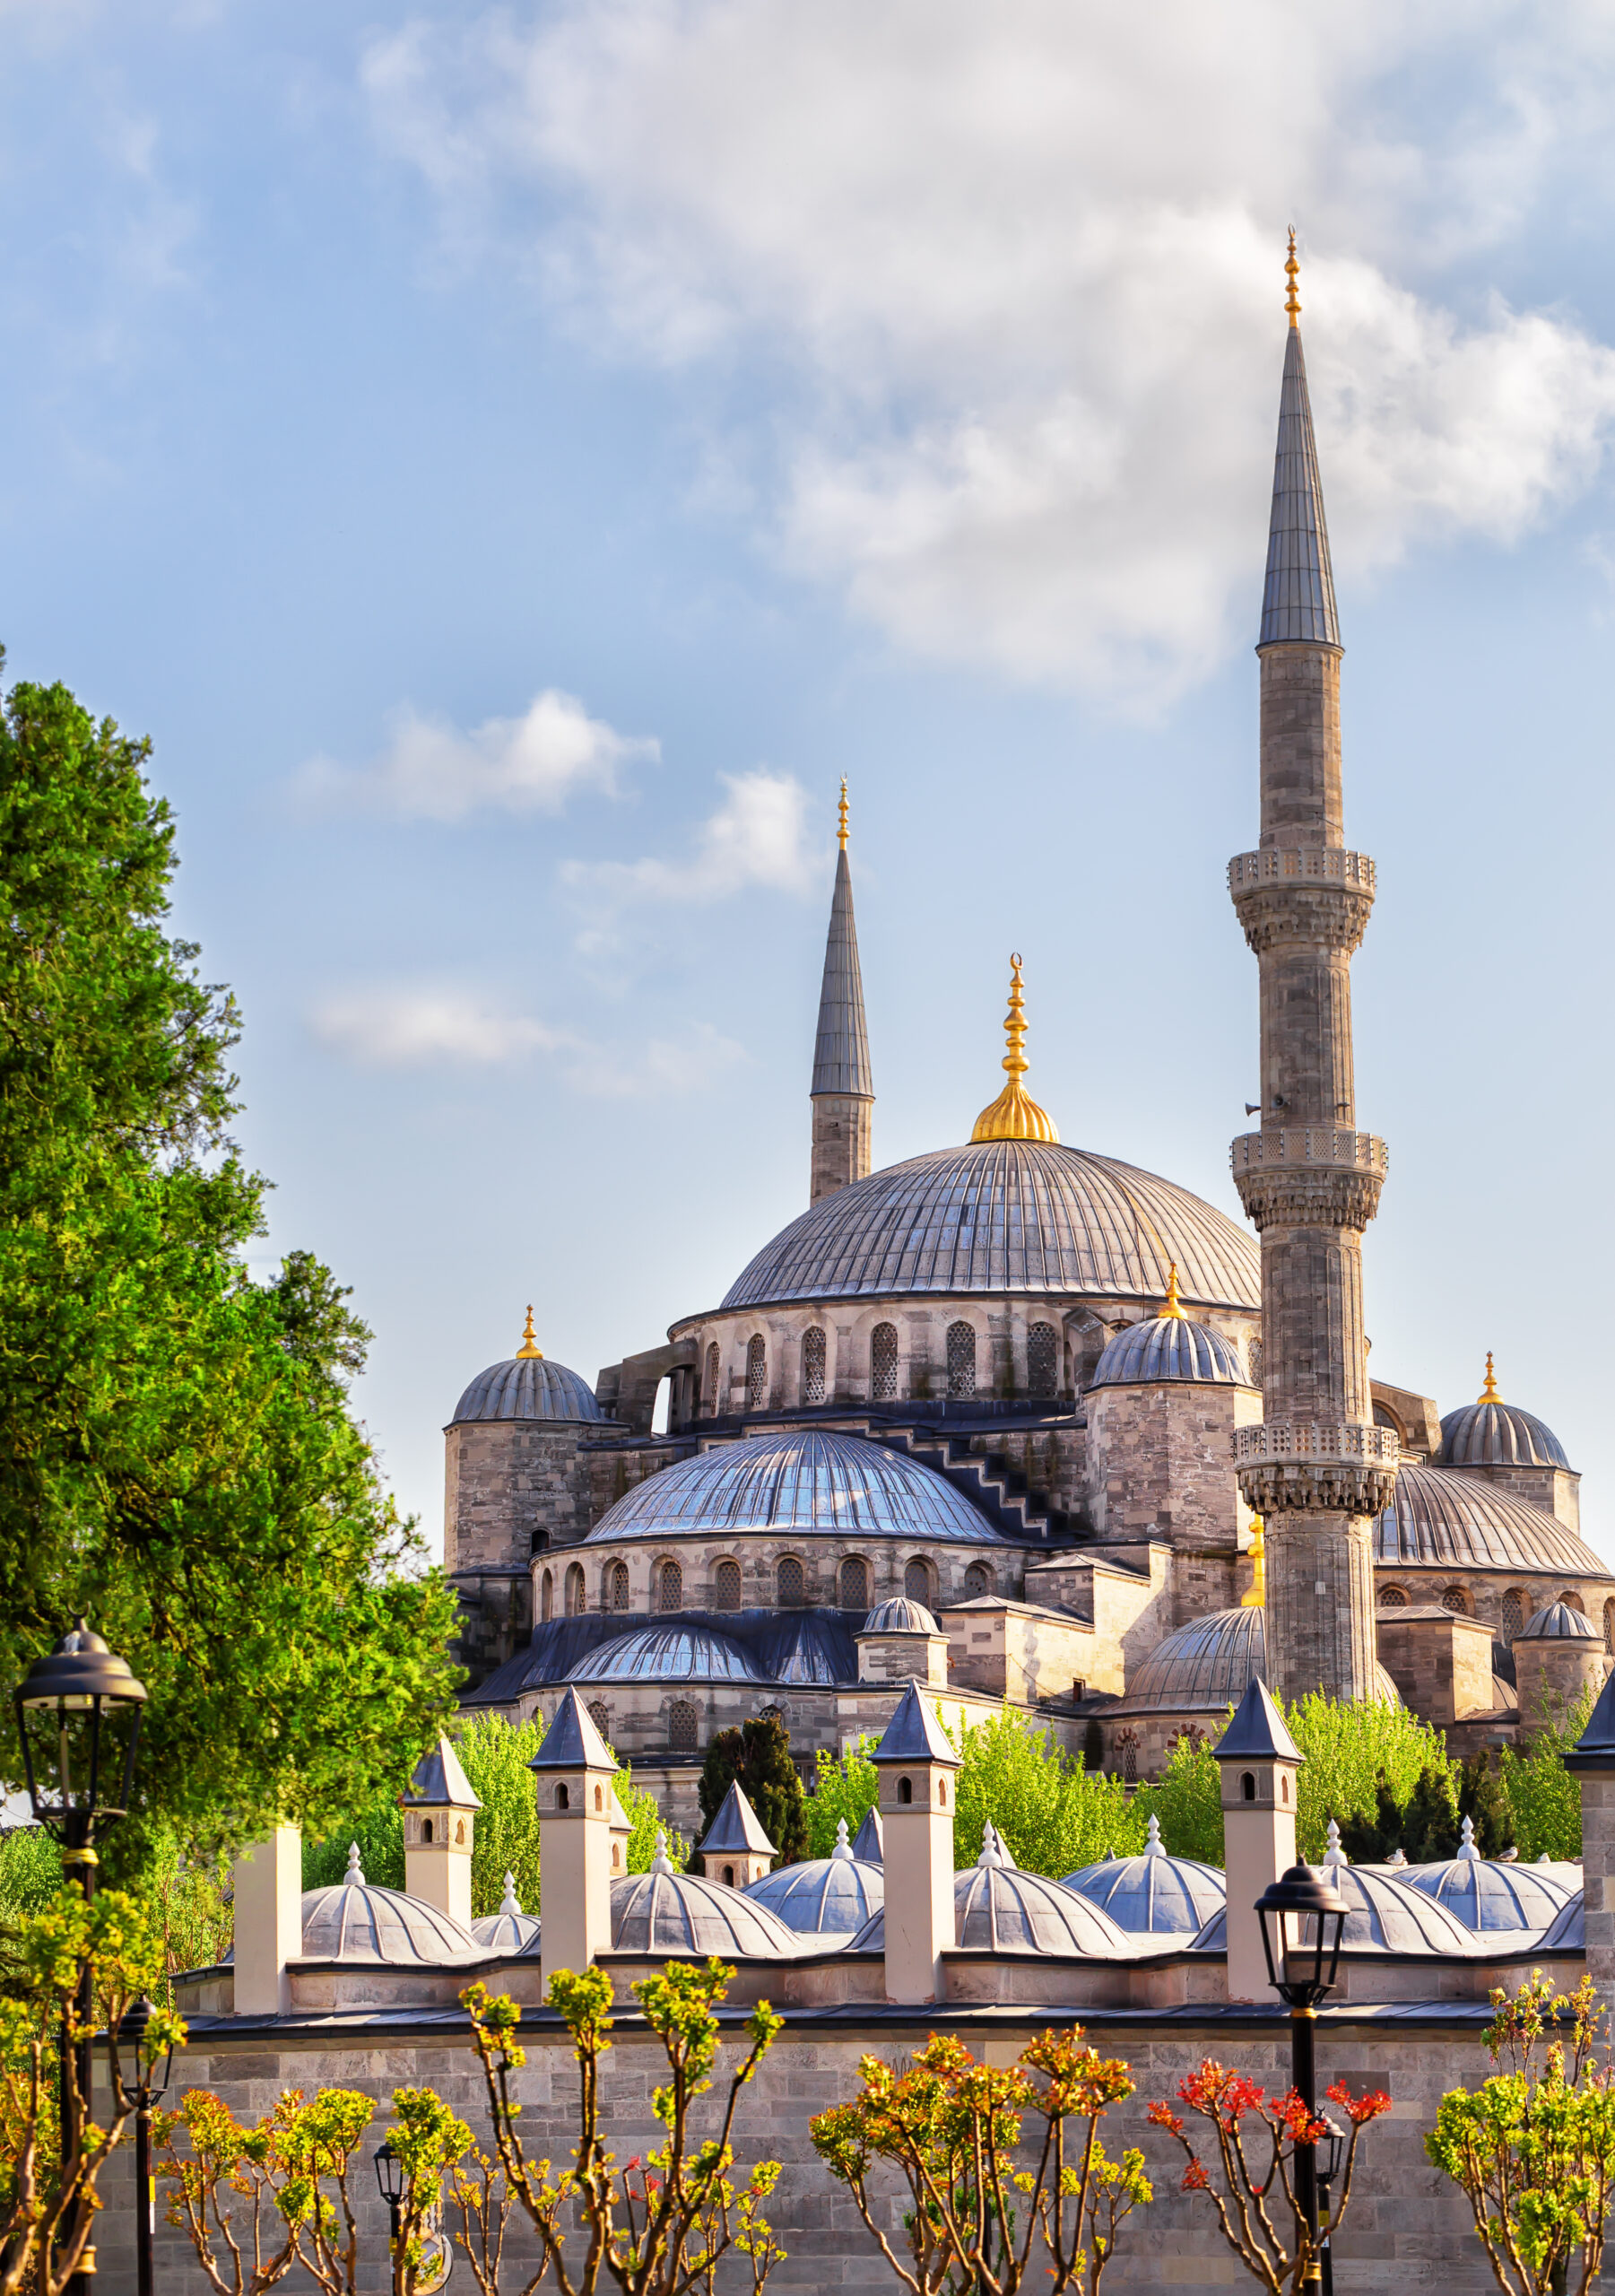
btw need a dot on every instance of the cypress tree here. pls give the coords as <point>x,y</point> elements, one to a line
<point>757,1756</point>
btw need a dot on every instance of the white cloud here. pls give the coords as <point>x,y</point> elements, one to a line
<point>1015,275</point>
<point>434,1027</point>
<point>430,770</point>
<point>758,836</point>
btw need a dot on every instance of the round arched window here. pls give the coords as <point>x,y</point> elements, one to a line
<point>616,1580</point>
<point>1392,1598</point>
<point>979,1580</point>
<point>725,1585</point>
<point>916,1580</point>
<point>712,1375</point>
<point>883,1363</point>
<point>1514,1612</point>
<point>813,1365</point>
<point>961,1358</point>
<point>855,1584</point>
<point>791,1583</point>
<point>1043,1360</point>
<point>1456,1601</point>
<point>683,1727</point>
<point>670,1587</point>
<point>757,1371</point>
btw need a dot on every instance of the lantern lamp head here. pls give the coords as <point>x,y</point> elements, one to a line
<point>389,2174</point>
<point>78,1716</point>
<point>1302,1968</point>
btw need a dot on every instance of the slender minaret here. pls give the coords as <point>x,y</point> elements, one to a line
<point>843,1088</point>
<point>1317,1470</point>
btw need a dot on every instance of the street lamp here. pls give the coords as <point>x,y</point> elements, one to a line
<point>148,2084</point>
<point>1301,1972</point>
<point>389,2179</point>
<point>1331,2147</point>
<point>78,1717</point>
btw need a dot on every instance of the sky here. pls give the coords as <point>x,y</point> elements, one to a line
<point>513,462</point>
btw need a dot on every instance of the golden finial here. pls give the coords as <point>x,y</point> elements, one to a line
<point>1015,1114</point>
<point>1174,1305</point>
<point>841,823</point>
<point>1488,1392</point>
<point>1256,1596</point>
<point>1292,302</point>
<point>529,1345</point>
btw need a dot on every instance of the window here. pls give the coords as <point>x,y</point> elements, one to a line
<point>961,1358</point>
<point>1514,1614</point>
<point>600,1797</point>
<point>546,1595</point>
<point>726,1586</point>
<point>1456,1601</point>
<point>883,1363</point>
<point>1608,1627</point>
<point>757,1371</point>
<point>1392,1598</point>
<point>1127,1747</point>
<point>979,1580</point>
<point>1570,1602</point>
<point>792,1585</point>
<point>426,1829</point>
<point>905,1789</point>
<point>1248,1787</point>
<point>460,1831</point>
<point>1043,1360</point>
<point>574,1595</point>
<point>812,1366</point>
<point>616,1584</point>
<point>712,1372</point>
<point>600,1717</point>
<point>917,1581</point>
<point>683,1727</point>
<point>855,1584</point>
<point>563,1800</point>
<point>728,1877</point>
<point>670,1587</point>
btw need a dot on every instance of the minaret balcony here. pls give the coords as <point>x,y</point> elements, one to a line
<point>1316,894</point>
<point>1343,1467</point>
<point>1309,1175</point>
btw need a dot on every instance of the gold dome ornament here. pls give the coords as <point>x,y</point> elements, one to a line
<point>1292,302</point>
<point>841,817</point>
<point>1173,1305</point>
<point>1015,1114</point>
<point>1255,1598</point>
<point>1488,1392</point>
<point>530,1346</point>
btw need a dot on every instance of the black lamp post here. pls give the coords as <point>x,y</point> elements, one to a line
<point>150,2079</point>
<point>1301,1972</point>
<point>1331,2151</point>
<point>78,1717</point>
<point>389,2179</point>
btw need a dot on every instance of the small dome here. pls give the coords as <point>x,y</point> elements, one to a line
<point>1153,1893</point>
<point>997,1906</point>
<point>1491,1434</point>
<point>900,1615</point>
<point>1209,1665</point>
<point>352,1921</point>
<point>1169,1347</point>
<point>510,1933</point>
<point>824,1896</point>
<point>1385,1914</point>
<point>1485,1894</point>
<point>527,1387</point>
<point>667,1654</point>
<point>1560,1623</point>
<point>664,1912</point>
<point>1442,1520</point>
<point>805,1483</point>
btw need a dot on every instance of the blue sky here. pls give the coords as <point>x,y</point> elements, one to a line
<point>513,462</point>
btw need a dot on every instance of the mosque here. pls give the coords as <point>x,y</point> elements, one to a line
<point>1016,1421</point>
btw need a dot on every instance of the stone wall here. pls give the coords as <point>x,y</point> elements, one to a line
<point>1160,1465</point>
<point>1440,1662</point>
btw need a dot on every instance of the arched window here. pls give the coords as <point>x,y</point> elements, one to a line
<point>670,1587</point>
<point>726,1586</point>
<point>961,1358</point>
<point>1456,1601</point>
<point>883,1363</point>
<point>1608,1627</point>
<point>855,1584</point>
<point>1392,1598</point>
<point>712,1372</point>
<point>757,1371</point>
<point>979,1580</point>
<point>616,1584</point>
<point>683,1727</point>
<point>426,1829</point>
<point>459,1830</point>
<point>1571,1601</point>
<point>792,1586</point>
<point>905,1789</point>
<point>546,1595</point>
<point>575,1593</point>
<point>729,1877</point>
<point>917,1581</point>
<point>1253,1356</point>
<point>563,1799</point>
<point>1127,1747</point>
<point>1514,1614</point>
<point>813,1365</point>
<point>1247,1786</point>
<point>600,1717</point>
<point>1043,1360</point>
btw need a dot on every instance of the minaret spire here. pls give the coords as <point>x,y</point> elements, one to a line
<point>1317,1470</point>
<point>843,1089</point>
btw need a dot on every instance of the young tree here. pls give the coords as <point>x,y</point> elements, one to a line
<point>1053,1813</point>
<point>757,1756</point>
<point>172,1431</point>
<point>979,2223</point>
<point>1544,1796</point>
<point>242,2249</point>
<point>1188,1801</point>
<point>1533,2147</point>
<point>1252,2181</point>
<point>847,1787</point>
<point>1483,1798</point>
<point>661,2226</point>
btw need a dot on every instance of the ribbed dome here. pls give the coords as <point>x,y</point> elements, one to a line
<point>1153,1893</point>
<point>1567,1933</point>
<point>352,1921</point>
<point>665,1912</point>
<point>510,1933</point>
<point>1210,1663</point>
<point>1497,1435</point>
<point>1388,1914</point>
<point>1006,1215</point>
<point>1485,1894</point>
<point>527,1387</point>
<point>824,1896</point>
<point>900,1615</point>
<point>1169,1347</point>
<point>808,1483</point>
<point>998,1907</point>
<point>667,1654</point>
<point>1442,1520</point>
<point>1560,1623</point>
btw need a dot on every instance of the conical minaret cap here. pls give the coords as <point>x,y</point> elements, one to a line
<point>1298,599</point>
<point>841,1062</point>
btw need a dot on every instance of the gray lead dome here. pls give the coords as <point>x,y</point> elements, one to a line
<point>1499,1435</point>
<point>527,1387</point>
<point>1169,1347</point>
<point>1441,1519</point>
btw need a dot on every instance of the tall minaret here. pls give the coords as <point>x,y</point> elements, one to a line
<point>1317,1470</point>
<point>843,1087</point>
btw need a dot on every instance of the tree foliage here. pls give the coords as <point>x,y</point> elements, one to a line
<point>1053,1813</point>
<point>1187,1800</point>
<point>1544,1796</point>
<point>847,1787</point>
<point>178,1459</point>
<point>757,1757</point>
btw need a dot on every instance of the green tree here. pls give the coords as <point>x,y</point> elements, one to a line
<point>1347,1747</point>
<point>1189,1801</point>
<point>848,1788</point>
<point>1483,1798</point>
<point>1429,1823</point>
<point>178,1459</point>
<point>1369,1841</point>
<point>1544,1796</point>
<point>1053,1813</point>
<point>758,1757</point>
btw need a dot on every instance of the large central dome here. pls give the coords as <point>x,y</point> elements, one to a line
<point>1006,1215</point>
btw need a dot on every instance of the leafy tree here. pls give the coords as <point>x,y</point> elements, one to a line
<point>1533,2147</point>
<point>846,1789</point>
<point>1544,1796</point>
<point>1429,1823</point>
<point>1347,1747</point>
<point>1369,1841</point>
<point>30,1872</point>
<point>757,1758</point>
<point>1483,1798</point>
<point>1189,1801</point>
<point>178,1459</point>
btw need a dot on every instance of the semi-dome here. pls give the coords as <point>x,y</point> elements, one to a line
<point>1172,1346</point>
<point>510,1933</point>
<point>667,1654</point>
<point>1006,1215</point>
<point>664,1912</point>
<point>1485,1894</point>
<point>1439,1521</point>
<point>1153,1892</point>
<point>354,1920</point>
<point>1491,1434</point>
<point>1558,1623</point>
<point>1210,1664</point>
<point>808,1482</point>
<point>527,1386</point>
<point>901,1615</point>
<point>997,1907</point>
<point>830,1896</point>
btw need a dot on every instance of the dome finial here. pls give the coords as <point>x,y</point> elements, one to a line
<point>1173,1305</point>
<point>841,817</point>
<point>1292,302</point>
<point>529,1346</point>
<point>1488,1392</point>
<point>1015,1114</point>
<point>1255,1597</point>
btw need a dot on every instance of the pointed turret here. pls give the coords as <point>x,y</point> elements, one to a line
<point>843,1088</point>
<point>1297,601</point>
